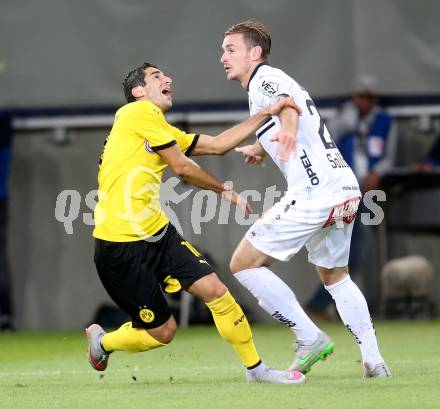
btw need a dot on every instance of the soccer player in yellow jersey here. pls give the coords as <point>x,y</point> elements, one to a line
<point>138,253</point>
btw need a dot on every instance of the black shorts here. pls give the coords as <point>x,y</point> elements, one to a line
<point>135,273</point>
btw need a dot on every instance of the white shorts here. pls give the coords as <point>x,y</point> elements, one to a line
<point>323,226</point>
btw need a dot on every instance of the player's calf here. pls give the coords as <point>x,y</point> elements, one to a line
<point>164,333</point>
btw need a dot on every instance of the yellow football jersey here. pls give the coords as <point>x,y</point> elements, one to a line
<point>131,171</point>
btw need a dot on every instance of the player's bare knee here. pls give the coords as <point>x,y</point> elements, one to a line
<point>330,276</point>
<point>165,333</point>
<point>208,288</point>
<point>234,265</point>
<point>216,290</point>
<point>238,264</point>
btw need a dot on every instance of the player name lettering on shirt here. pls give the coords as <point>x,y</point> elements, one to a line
<point>337,160</point>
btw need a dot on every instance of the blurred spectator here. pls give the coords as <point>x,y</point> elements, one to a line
<point>431,160</point>
<point>6,318</point>
<point>367,137</point>
<point>365,134</point>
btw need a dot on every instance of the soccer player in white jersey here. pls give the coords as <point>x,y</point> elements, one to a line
<point>317,210</point>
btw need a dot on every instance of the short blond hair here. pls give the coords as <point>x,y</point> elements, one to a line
<point>254,33</point>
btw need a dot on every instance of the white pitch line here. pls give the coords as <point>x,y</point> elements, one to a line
<point>40,373</point>
<point>132,371</point>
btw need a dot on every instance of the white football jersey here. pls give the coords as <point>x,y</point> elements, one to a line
<point>318,168</point>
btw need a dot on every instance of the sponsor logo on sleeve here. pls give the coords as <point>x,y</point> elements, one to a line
<point>148,147</point>
<point>268,88</point>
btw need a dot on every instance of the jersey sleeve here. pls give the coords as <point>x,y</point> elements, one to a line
<point>269,88</point>
<point>150,124</point>
<point>186,141</point>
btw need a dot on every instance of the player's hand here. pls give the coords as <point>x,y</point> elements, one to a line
<point>251,154</point>
<point>286,144</point>
<point>233,197</point>
<point>284,102</point>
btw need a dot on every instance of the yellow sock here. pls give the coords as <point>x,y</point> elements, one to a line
<point>129,339</point>
<point>233,326</point>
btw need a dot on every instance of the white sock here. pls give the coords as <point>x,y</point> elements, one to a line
<point>353,310</point>
<point>276,298</point>
<point>258,370</point>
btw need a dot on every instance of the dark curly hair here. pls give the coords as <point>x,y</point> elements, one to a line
<point>135,78</point>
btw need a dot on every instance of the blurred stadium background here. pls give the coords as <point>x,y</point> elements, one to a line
<point>61,66</point>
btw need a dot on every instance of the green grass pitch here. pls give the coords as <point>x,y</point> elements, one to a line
<point>199,370</point>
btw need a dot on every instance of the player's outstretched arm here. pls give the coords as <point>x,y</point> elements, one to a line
<point>192,173</point>
<point>286,136</point>
<point>232,137</point>
<point>253,154</point>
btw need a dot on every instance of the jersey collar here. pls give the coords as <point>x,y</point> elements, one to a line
<point>254,73</point>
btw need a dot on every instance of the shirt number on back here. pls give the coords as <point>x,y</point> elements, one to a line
<point>323,133</point>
